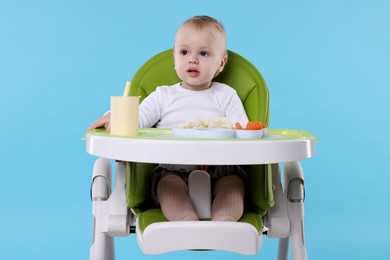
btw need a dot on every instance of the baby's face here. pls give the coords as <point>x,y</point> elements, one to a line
<point>199,56</point>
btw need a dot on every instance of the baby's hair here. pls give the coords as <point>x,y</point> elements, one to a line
<point>203,21</point>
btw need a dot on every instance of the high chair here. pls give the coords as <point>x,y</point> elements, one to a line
<point>271,208</point>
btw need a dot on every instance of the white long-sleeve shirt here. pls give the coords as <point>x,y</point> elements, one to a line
<point>172,106</point>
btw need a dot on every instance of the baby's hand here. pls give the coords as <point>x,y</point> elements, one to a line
<point>104,121</point>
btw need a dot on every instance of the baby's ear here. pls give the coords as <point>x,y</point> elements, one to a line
<point>174,60</point>
<point>223,63</point>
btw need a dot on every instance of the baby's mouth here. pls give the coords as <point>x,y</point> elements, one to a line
<point>193,72</point>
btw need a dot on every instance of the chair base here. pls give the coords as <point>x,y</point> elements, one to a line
<point>165,237</point>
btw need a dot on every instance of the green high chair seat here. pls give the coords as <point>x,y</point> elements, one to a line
<point>253,92</point>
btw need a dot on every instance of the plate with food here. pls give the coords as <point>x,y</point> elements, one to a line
<point>220,128</point>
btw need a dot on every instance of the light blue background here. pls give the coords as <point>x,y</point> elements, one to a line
<point>327,65</point>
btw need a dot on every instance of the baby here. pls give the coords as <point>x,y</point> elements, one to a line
<point>200,54</point>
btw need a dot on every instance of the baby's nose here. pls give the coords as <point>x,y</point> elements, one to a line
<point>193,59</point>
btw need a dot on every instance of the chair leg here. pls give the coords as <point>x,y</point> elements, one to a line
<point>286,218</point>
<point>283,248</point>
<point>102,247</point>
<point>294,182</point>
<point>297,231</point>
<point>298,246</point>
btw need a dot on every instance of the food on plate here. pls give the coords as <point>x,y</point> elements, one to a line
<point>257,125</point>
<point>219,122</point>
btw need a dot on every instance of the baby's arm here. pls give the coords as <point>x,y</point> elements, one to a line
<point>104,121</point>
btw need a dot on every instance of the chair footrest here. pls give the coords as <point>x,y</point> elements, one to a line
<point>165,237</point>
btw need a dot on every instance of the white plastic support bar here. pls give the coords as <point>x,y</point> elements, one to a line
<point>110,214</point>
<point>283,248</point>
<point>285,218</point>
<point>295,192</point>
<point>199,187</point>
<point>118,219</point>
<point>297,233</point>
<point>102,247</point>
<point>276,218</point>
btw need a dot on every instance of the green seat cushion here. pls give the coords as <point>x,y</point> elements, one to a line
<point>155,215</point>
<point>149,217</point>
<point>238,73</point>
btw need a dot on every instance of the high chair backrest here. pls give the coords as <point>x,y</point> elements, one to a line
<point>238,73</point>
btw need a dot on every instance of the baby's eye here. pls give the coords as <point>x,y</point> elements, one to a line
<point>183,52</point>
<point>204,53</point>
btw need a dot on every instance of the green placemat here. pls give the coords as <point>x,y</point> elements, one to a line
<point>167,134</point>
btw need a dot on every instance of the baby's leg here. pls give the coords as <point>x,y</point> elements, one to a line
<point>172,193</point>
<point>228,203</point>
